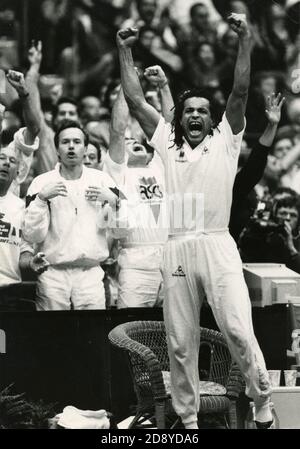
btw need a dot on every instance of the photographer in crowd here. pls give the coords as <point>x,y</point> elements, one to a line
<point>273,236</point>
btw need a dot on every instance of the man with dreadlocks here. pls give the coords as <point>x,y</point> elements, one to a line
<point>201,257</point>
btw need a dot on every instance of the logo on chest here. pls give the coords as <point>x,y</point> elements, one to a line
<point>149,189</point>
<point>8,231</point>
<point>181,156</point>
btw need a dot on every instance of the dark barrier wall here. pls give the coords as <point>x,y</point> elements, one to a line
<point>66,357</point>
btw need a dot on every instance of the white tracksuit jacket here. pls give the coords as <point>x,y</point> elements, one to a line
<point>70,230</point>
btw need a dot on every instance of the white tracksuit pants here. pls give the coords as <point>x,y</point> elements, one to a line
<point>194,266</point>
<point>140,278</point>
<point>77,288</point>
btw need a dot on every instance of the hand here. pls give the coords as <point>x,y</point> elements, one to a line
<point>56,92</point>
<point>35,53</point>
<point>39,263</point>
<point>155,75</point>
<point>17,80</point>
<point>101,194</point>
<point>238,23</point>
<point>127,37</point>
<point>273,111</point>
<point>289,242</point>
<point>52,190</point>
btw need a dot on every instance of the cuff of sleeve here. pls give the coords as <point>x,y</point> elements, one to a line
<point>41,203</point>
<point>22,146</point>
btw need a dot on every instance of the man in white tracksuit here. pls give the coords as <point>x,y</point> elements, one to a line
<point>68,212</point>
<point>201,256</point>
<point>141,178</point>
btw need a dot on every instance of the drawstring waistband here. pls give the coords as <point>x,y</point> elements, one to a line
<point>194,234</point>
<point>142,244</point>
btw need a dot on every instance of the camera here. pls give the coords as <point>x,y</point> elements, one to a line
<point>261,222</point>
<point>266,226</point>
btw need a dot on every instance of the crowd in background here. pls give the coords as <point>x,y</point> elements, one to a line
<point>196,48</point>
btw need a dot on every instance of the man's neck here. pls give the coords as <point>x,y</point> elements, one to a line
<point>3,189</point>
<point>70,173</point>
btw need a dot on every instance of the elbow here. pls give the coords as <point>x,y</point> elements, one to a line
<point>33,237</point>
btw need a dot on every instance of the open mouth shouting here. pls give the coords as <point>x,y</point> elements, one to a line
<point>138,148</point>
<point>195,128</point>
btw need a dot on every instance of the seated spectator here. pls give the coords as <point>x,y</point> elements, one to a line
<point>200,28</point>
<point>93,156</point>
<point>203,72</point>
<point>276,40</point>
<point>264,83</point>
<point>89,109</point>
<point>274,240</point>
<point>283,165</point>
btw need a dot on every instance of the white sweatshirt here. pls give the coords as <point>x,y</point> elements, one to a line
<point>70,230</point>
<point>11,242</point>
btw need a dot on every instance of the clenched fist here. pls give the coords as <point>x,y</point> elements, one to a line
<point>156,76</point>
<point>127,37</point>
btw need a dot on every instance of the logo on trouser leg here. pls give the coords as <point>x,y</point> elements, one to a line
<point>179,272</point>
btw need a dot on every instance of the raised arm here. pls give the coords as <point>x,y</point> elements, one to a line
<point>46,155</point>
<point>30,113</point>
<point>236,105</point>
<point>118,125</point>
<point>256,163</point>
<point>273,113</point>
<point>33,75</point>
<point>146,115</point>
<point>156,76</point>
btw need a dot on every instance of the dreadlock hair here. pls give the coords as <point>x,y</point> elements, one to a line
<point>179,107</point>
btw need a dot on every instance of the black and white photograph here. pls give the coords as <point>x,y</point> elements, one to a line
<point>149,217</point>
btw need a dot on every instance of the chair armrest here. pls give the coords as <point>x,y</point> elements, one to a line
<point>119,338</point>
<point>235,384</point>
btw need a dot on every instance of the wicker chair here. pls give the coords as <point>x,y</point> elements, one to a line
<point>146,345</point>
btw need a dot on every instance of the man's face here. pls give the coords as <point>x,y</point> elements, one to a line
<point>268,85</point>
<point>97,132</point>
<point>8,166</point>
<point>196,120</point>
<point>146,9</point>
<point>206,55</point>
<point>200,17</point>
<point>91,157</point>
<point>146,39</point>
<point>137,153</point>
<point>289,214</point>
<point>91,108</point>
<point>66,111</point>
<point>282,147</point>
<point>71,148</point>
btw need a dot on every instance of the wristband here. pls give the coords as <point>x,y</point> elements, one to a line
<point>164,84</point>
